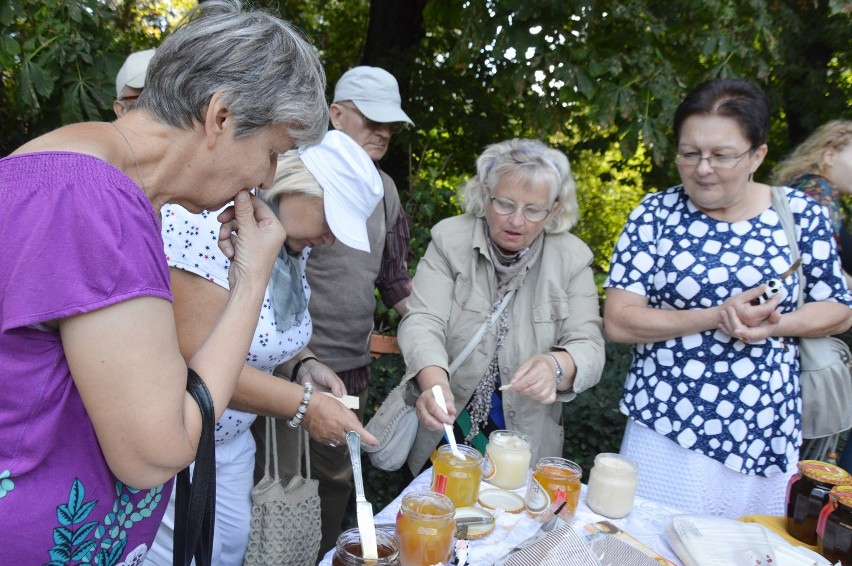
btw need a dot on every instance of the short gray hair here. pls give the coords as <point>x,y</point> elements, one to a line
<point>268,72</point>
<point>533,162</point>
<point>291,177</point>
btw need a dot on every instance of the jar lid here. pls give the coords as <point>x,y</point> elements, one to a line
<point>504,499</point>
<point>842,494</point>
<point>825,473</point>
<point>479,522</point>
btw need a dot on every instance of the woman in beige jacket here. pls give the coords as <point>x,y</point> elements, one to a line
<point>546,345</point>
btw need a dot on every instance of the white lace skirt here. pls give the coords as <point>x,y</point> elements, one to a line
<point>695,484</point>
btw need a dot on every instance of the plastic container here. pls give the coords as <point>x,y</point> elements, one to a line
<point>807,494</point>
<point>612,485</point>
<point>348,549</point>
<point>507,459</point>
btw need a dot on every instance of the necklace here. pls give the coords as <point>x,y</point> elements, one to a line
<point>132,154</point>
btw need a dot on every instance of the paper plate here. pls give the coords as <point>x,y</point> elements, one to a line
<point>508,501</point>
<point>478,530</point>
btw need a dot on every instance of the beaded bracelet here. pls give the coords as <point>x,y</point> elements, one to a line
<point>296,421</point>
<point>295,375</point>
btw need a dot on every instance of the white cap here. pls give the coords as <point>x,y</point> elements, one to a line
<point>351,186</point>
<point>374,91</point>
<point>132,72</point>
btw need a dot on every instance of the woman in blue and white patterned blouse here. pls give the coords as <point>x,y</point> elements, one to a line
<point>713,394</point>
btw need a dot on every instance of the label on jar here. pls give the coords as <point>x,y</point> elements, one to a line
<point>538,499</point>
<point>489,470</point>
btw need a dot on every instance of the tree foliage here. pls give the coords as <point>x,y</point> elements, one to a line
<point>598,78</point>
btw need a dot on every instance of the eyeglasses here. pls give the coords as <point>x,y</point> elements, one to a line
<point>506,207</point>
<point>693,158</point>
<point>128,101</point>
<point>394,127</point>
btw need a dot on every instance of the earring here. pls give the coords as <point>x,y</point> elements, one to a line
<point>751,177</point>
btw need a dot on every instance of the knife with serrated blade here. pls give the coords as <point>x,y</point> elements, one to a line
<point>363,508</point>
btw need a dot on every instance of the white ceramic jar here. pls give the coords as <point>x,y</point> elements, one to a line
<point>612,485</point>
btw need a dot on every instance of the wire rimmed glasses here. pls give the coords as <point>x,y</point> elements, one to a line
<point>693,158</point>
<point>507,207</point>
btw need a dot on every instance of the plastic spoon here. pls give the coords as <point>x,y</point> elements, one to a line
<point>451,438</point>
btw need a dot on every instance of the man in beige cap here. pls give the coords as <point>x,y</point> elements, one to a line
<point>367,108</point>
<point>130,80</point>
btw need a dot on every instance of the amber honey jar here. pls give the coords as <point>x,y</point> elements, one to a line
<point>348,551</point>
<point>554,481</point>
<point>834,527</point>
<point>425,528</point>
<point>457,479</point>
<point>807,493</point>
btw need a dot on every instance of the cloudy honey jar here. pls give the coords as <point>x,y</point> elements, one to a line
<point>612,485</point>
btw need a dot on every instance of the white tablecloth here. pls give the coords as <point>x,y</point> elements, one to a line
<point>645,522</point>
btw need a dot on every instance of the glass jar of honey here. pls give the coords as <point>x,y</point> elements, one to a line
<point>807,493</point>
<point>507,459</point>
<point>425,528</point>
<point>348,549</point>
<point>834,527</point>
<point>612,485</point>
<point>554,481</point>
<point>457,479</point>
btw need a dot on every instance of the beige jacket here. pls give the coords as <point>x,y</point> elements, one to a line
<point>555,307</point>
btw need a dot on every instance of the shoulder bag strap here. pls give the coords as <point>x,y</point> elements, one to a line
<point>785,216</point>
<point>195,502</point>
<point>480,333</point>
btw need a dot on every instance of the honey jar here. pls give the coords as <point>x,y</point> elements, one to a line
<point>457,479</point>
<point>807,493</point>
<point>834,527</point>
<point>425,527</point>
<point>507,459</point>
<point>612,485</point>
<point>554,481</point>
<point>348,549</point>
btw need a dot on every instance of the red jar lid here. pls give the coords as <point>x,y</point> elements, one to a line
<point>824,473</point>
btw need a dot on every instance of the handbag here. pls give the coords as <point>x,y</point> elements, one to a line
<point>285,521</point>
<point>195,501</point>
<point>395,423</point>
<point>824,363</point>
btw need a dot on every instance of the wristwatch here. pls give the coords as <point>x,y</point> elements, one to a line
<point>559,375</point>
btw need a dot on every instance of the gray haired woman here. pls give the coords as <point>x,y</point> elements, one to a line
<point>545,347</point>
<point>96,419</point>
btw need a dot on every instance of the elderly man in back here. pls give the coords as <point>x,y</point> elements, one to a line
<point>130,80</point>
<point>367,108</point>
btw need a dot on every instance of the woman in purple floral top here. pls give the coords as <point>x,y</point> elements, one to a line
<point>94,416</point>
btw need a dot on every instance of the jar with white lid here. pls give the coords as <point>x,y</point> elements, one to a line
<point>612,485</point>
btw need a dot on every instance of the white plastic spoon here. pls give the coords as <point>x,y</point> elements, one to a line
<point>451,438</point>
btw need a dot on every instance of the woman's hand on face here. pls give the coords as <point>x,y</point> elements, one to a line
<point>328,420</point>
<point>251,236</point>
<point>536,379</point>
<point>323,378</point>
<point>746,322</point>
<point>430,414</point>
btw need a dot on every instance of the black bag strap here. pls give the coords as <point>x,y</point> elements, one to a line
<point>195,503</point>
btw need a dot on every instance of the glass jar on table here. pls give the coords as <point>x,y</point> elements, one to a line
<point>507,459</point>
<point>348,549</point>
<point>807,493</point>
<point>425,528</point>
<point>457,479</point>
<point>612,485</point>
<point>554,481</point>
